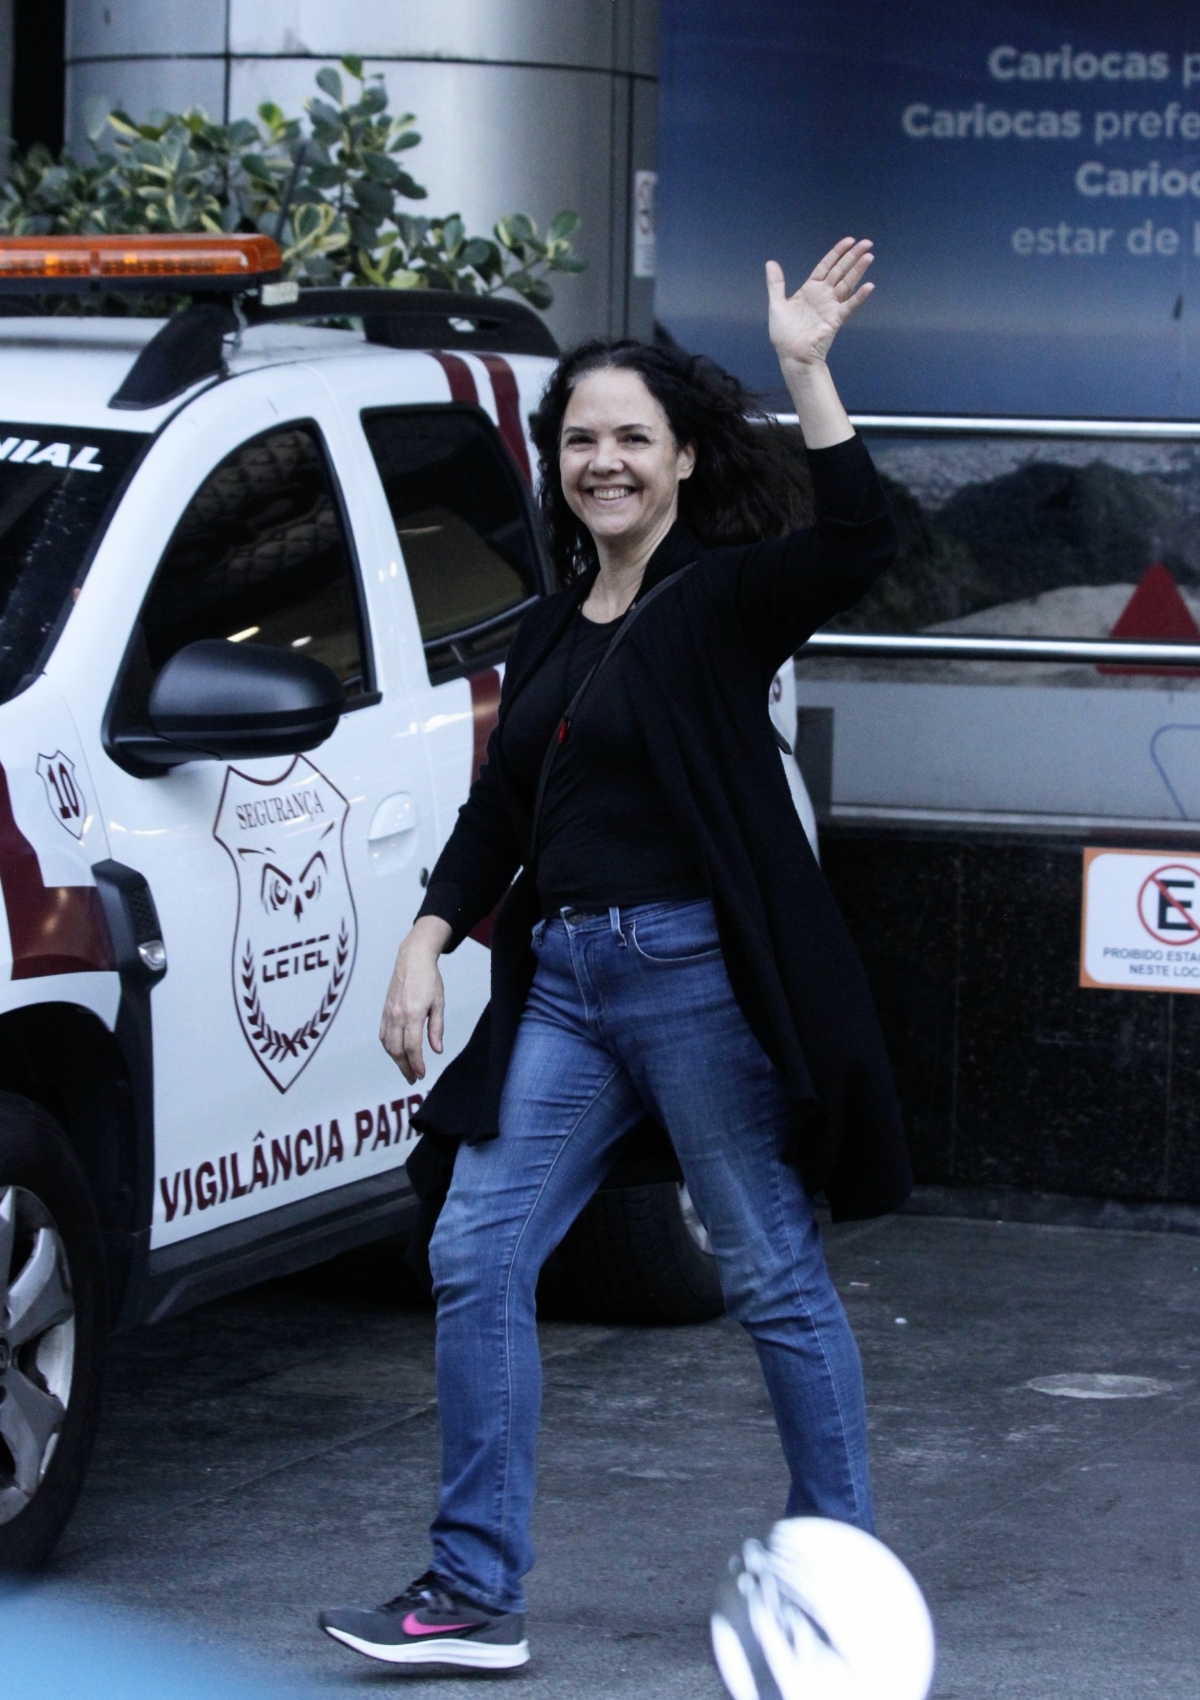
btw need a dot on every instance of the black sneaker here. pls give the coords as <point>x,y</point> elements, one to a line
<point>431,1623</point>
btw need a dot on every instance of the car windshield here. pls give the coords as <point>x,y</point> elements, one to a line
<point>57,485</point>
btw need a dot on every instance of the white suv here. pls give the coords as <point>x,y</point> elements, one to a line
<point>256,584</point>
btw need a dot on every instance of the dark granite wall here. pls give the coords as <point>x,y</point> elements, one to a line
<point>1009,1072</point>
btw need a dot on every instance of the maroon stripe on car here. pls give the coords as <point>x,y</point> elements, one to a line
<point>54,929</point>
<point>459,376</point>
<point>508,407</point>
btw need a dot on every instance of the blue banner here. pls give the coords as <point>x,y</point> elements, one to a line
<point>1030,176</point>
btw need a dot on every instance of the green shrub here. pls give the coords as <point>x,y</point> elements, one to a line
<point>329,190</point>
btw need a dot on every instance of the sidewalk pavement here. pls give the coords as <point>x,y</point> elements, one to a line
<point>277,1451</point>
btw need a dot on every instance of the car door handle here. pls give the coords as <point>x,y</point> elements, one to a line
<point>397,814</point>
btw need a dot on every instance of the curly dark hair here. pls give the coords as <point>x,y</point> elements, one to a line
<point>749,481</point>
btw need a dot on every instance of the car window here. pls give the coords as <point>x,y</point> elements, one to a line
<point>57,485</point>
<point>262,553</point>
<point>465,529</point>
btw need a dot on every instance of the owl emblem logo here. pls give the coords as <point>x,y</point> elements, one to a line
<point>296,933</point>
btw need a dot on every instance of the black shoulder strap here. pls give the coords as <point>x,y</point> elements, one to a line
<point>561,730</point>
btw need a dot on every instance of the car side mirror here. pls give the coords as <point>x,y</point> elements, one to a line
<point>221,701</point>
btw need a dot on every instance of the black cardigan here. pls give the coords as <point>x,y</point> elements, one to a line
<point>698,666</point>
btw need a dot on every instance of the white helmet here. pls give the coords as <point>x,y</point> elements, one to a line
<point>824,1612</point>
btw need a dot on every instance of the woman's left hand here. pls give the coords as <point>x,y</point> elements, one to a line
<point>802,326</point>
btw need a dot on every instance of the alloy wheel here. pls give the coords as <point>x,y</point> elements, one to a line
<point>37,1345</point>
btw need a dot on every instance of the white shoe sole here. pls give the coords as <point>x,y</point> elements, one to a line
<point>478,1655</point>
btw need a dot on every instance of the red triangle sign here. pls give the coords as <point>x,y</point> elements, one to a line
<point>1156,613</point>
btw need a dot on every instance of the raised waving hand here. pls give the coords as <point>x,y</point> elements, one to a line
<point>802,328</point>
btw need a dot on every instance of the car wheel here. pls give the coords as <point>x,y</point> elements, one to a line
<point>52,1331</point>
<point>637,1254</point>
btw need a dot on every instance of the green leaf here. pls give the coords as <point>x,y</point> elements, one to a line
<point>329,81</point>
<point>375,199</point>
<point>523,228</point>
<point>404,185</point>
<point>379,167</point>
<point>364,232</point>
<point>352,63</point>
<point>324,115</point>
<point>96,109</point>
<point>536,291</point>
<point>307,220</point>
<point>563,224</point>
<point>56,183</point>
<point>271,114</point>
<point>366,271</point>
<point>373,98</point>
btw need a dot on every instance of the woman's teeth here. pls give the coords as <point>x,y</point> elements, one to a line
<point>611,495</point>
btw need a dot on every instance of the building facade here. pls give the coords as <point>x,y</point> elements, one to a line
<point>524,105</point>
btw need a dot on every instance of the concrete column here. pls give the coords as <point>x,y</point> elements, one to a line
<point>524,105</point>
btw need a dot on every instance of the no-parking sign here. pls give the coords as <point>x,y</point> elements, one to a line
<point>1141,921</point>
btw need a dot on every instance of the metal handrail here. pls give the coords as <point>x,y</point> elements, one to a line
<point>970,425</point>
<point>876,646</point>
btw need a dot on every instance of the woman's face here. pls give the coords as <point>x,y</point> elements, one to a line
<point>620,465</point>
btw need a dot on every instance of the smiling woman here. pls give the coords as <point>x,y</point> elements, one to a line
<point>681,416</point>
<point>635,781</point>
<point>620,470</point>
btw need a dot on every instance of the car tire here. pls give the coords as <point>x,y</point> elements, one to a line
<point>636,1254</point>
<point>53,1330</point>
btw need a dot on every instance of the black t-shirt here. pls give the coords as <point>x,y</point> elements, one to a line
<point>605,835</point>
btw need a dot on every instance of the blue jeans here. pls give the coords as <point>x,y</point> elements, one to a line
<point>630,1010</point>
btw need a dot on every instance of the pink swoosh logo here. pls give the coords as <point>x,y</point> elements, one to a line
<point>412,1625</point>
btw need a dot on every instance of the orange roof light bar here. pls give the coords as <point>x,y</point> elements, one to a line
<point>115,259</point>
